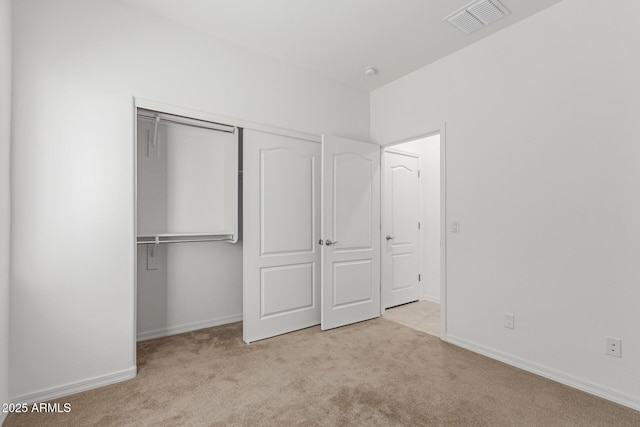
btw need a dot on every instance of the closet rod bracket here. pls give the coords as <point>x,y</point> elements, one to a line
<point>153,139</point>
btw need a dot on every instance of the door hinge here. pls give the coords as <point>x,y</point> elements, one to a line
<point>418,226</point>
<point>418,277</point>
<point>418,174</point>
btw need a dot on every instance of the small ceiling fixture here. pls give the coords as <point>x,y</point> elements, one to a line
<point>477,14</point>
<point>370,71</point>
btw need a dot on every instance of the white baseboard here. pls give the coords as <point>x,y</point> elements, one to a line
<point>76,387</point>
<point>431,299</point>
<point>552,374</point>
<point>188,327</point>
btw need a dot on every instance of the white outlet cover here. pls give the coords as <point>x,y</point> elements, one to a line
<point>614,347</point>
<point>509,321</point>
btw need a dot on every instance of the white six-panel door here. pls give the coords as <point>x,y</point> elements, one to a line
<point>401,232</point>
<point>281,210</point>
<point>351,231</point>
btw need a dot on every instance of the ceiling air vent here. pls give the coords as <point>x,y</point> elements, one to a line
<point>477,14</point>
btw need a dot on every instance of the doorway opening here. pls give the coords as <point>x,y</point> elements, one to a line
<point>413,282</point>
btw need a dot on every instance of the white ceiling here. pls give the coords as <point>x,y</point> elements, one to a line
<point>338,38</point>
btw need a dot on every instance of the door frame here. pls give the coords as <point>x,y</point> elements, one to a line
<point>426,131</point>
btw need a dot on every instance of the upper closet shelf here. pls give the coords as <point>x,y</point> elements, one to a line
<point>183,238</point>
<point>157,117</point>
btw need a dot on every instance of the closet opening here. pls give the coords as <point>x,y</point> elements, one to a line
<point>188,224</point>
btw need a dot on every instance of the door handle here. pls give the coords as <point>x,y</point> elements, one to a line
<point>329,242</point>
<point>390,237</point>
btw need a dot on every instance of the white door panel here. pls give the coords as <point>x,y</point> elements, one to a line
<point>286,201</point>
<point>401,250</point>
<point>352,283</point>
<point>351,229</point>
<point>404,201</point>
<point>286,289</point>
<point>402,271</point>
<point>352,201</point>
<point>281,283</point>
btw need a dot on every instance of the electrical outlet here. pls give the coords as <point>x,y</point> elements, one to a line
<point>509,321</point>
<point>614,347</point>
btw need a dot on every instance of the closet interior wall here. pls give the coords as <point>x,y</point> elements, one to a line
<point>187,184</point>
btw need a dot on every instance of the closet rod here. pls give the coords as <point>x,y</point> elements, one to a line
<point>183,238</point>
<point>153,242</point>
<point>199,124</point>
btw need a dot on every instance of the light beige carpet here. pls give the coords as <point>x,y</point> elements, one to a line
<point>375,373</point>
<point>423,316</point>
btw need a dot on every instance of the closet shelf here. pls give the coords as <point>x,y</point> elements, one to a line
<point>150,239</point>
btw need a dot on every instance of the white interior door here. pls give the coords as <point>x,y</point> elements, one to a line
<point>401,229</point>
<point>281,258</point>
<point>351,231</point>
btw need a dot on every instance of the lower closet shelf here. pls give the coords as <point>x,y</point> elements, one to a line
<point>184,237</point>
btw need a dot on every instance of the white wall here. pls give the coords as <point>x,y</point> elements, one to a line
<point>429,150</point>
<point>5,134</point>
<point>77,66</point>
<point>542,171</point>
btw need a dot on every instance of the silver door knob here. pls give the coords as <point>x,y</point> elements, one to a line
<point>390,237</point>
<point>329,242</point>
